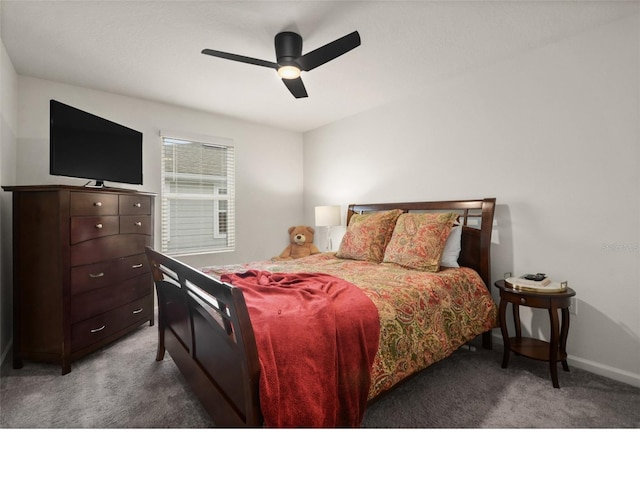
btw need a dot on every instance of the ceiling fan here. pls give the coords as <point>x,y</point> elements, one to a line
<point>290,61</point>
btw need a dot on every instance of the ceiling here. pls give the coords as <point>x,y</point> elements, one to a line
<point>151,49</point>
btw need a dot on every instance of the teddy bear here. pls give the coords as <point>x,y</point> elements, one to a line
<point>300,245</point>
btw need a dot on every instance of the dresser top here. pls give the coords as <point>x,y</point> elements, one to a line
<point>61,187</point>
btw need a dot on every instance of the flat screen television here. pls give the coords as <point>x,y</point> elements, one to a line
<point>86,146</point>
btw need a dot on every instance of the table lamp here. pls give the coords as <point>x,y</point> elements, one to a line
<point>328,216</point>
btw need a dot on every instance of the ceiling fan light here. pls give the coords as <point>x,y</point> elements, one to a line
<point>289,72</point>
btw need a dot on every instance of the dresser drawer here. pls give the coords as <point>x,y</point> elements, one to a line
<point>85,228</point>
<point>91,204</point>
<point>90,277</point>
<point>88,304</point>
<point>135,224</point>
<point>106,248</point>
<point>105,325</point>
<point>134,205</point>
<point>133,266</point>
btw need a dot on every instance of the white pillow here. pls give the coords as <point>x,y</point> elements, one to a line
<point>452,248</point>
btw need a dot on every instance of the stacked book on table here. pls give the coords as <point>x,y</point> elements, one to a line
<point>538,282</point>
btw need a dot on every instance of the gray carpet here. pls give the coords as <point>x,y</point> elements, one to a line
<point>122,386</point>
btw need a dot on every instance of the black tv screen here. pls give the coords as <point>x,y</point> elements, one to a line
<point>86,146</point>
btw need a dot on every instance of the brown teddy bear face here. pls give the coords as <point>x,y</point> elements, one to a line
<point>301,235</point>
<point>300,243</point>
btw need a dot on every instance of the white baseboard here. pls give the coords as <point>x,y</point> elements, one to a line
<point>604,370</point>
<point>592,366</point>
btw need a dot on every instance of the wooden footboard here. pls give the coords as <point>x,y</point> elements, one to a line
<point>204,325</point>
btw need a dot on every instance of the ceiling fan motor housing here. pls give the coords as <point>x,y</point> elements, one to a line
<point>288,48</point>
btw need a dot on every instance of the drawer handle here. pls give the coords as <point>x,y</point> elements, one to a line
<point>138,224</point>
<point>98,226</point>
<point>95,330</point>
<point>137,205</point>
<point>98,204</point>
<point>139,265</point>
<point>136,311</point>
<point>96,275</point>
<point>523,300</point>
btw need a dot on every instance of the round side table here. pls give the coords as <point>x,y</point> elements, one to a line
<point>553,351</point>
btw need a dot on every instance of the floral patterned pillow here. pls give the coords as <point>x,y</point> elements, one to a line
<point>367,236</point>
<point>419,239</point>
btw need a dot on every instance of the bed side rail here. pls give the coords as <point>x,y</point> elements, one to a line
<point>205,326</point>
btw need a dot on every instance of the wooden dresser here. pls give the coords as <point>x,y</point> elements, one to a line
<point>80,274</point>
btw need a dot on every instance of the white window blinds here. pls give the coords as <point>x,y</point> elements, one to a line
<point>198,195</point>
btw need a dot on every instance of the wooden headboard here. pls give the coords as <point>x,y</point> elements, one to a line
<point>476,217</point>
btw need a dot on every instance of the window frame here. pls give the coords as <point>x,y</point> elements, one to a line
<point>222,201</point>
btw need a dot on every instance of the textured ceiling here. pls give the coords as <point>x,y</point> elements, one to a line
<point>151,49</point>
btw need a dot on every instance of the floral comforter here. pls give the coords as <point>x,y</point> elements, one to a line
<point>424,316</point>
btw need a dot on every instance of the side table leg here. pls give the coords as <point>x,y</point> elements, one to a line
<point>516,320</point>
<point>554,346</point>
<point>564,333</point>
<point>502,312</point>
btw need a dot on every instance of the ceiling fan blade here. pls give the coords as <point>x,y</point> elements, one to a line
<point>296,87</point>
<point>329,51</point>
<point>240,58</point>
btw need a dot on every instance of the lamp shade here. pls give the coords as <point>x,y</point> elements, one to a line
<point>327,216</point>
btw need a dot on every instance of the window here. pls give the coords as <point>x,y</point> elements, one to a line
<point>197,195</point>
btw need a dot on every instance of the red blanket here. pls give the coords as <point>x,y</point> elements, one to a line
<point>317,336</point>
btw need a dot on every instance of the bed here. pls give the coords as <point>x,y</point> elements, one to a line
<point>310,342</point>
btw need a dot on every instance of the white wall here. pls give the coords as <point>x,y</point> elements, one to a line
<point>268,161</point>
<point>8,133</point>
<point>553,135</point>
